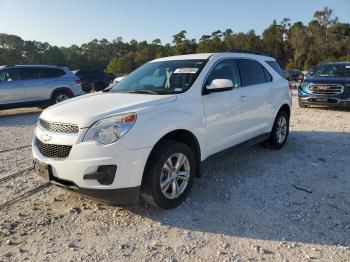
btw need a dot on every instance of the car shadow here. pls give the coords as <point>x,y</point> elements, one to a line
<point>299,193</point>
<point>18,118</point>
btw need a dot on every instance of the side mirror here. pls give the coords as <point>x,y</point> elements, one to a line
<point>218,85</point>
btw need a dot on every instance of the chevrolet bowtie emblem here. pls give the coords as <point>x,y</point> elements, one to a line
<point>45,138</point>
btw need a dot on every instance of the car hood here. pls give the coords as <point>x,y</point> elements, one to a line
<point>327,80</point>
<point>87,109</point>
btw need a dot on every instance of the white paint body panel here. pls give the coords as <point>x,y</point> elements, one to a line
<point>218,121</point>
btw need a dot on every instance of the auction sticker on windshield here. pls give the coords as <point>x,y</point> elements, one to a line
<point>186,70</point>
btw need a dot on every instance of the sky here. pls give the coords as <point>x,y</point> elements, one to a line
<point>67,22</point>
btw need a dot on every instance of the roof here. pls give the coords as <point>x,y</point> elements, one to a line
<point>28,66</point>
<point>209,55</point>
<point>185,57</point>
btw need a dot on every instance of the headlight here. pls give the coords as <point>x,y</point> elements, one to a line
<point>110,129</point>
<point>304,85</point>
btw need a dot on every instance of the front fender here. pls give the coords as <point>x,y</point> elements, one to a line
<point>150,127</point>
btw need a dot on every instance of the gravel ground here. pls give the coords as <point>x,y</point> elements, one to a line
<point>246,207</point>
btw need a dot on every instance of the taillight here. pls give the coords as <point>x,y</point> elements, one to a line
<point>78,82</point>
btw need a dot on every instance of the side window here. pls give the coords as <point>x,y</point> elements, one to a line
<point>268,76</point>
<point>252,72</point>
<point>29,73</point>
<point>9,75</point>
<point>51,72</point>
<point>225,69</point>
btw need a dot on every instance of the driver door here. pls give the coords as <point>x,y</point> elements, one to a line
<point>11,87</point>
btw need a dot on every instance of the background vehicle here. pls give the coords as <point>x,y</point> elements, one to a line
<point>328,85</point>
<point>149,133</point>
<point>294,75</point>
<point>36,85</point>
<point>309,72</point>
<point>98,80</point>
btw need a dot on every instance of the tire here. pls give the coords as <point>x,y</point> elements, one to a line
<point>280,131</point>
<point>60,96</point>
<point>158,171</point>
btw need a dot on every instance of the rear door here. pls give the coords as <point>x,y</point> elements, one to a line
<point>39,82</point>
<point>226,121</point>
<point>11,87</point>
<point>256,80</point>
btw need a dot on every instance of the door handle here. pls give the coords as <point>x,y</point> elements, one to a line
<point>242,98</point>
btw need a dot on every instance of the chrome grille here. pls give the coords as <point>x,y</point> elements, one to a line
<point>58,128</point>
<point>324,89</point>
<point>52,151</point>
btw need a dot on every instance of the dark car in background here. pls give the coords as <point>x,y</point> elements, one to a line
<point>293,75</point>
<point>94,80</point>
<point>328,85</point>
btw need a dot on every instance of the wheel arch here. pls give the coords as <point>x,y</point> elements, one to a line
<point>183,136</point>
<point>286,108</point>
<point>61,89</point>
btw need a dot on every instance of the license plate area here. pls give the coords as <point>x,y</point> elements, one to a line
<point>322,99</point>
<point>43,170</point>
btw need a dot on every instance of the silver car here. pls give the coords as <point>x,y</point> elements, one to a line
<point>36,85</point>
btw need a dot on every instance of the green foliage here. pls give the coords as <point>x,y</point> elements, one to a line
<point>121,65</point>
<point>293,45</point>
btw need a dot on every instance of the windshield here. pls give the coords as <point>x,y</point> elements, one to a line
<point>340,70</point>
<point>165,77</point>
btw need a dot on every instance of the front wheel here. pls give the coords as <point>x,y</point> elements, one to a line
<point>169,174</point>
<point>280,131</point>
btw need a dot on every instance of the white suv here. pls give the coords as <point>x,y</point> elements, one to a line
<point>148,134</point>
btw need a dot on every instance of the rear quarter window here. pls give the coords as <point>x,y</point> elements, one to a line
<point>275,66</point>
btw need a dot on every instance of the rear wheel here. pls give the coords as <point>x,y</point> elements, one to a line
<point>60,96</point>
<point>169,174</point>
<point>280,131</point>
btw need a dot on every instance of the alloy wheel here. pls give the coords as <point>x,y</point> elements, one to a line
<point>175,175</point>
<point>281,131</point>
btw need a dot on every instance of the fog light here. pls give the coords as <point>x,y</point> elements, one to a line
<point>104,175</point>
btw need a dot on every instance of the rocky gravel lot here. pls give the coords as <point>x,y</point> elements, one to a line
<point>250,205</point>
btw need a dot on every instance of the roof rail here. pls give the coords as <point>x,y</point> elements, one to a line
<point>8,65</point>
<point>234,50</point>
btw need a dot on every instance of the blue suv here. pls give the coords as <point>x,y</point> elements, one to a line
<point>328,85</point>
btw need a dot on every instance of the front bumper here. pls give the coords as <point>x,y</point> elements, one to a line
<point>119,196</point>
<point>330,102</point>
<point>323,100</point>
<point>86,158</point>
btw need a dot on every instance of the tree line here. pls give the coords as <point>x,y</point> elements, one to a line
<point>296,45</point>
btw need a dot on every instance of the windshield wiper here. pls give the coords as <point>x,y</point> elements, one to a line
<point>142,91</point>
